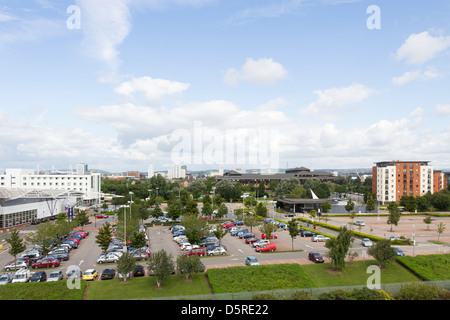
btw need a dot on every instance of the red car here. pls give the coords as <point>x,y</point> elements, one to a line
<point>83,233</point>
<point>273,236</point>
<point>101,216</point>
<point>76,240</point>
<point>227,225</point>
<point>251,240</point>
<point>196,252</point>
<point>46,263</point>
<point>267,247</point>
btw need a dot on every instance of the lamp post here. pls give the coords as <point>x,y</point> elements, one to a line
<point>125,226</point>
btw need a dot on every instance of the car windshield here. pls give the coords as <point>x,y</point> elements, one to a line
<point>54,275</point>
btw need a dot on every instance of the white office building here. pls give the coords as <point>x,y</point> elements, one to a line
<point>177,172</point>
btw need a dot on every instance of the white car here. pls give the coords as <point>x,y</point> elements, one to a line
<point>319,237</point>
<point>392,238</point>
<point>23,275</point>
<point>366,242</point>
<point>19,264</point>
<point>260,243</point>
<point>359,223</point>
<point>216,251</point>
<point>110,257</point>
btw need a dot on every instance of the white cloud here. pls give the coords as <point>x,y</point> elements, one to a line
<point>331,101</point>
<point>262,72</point>
<point>409,76</point>
<point>153,89</point>
<point>422,47</point>
<point>443,109</point>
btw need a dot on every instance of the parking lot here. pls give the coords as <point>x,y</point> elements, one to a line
<point>160,237</point>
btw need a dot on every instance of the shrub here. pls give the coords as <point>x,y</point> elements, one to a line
<point>420,291</point>
<point>354,294</point>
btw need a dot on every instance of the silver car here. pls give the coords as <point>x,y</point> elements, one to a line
<point>366,242</point>
<point>6,278</point>
<point>55,276</point>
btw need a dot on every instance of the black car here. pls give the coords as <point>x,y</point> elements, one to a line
<point>315,257</point>
<point>61,256</point>
<point>139,271</point>
<point>108,274</point>
<point>306,233</point>
<point>39,276</point>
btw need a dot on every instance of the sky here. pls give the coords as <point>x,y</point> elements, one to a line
<point>122,84</point>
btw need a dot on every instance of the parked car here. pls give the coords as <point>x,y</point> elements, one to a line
<point>139,271</point>
<point>266,248</point>
<point>359,223</point>
<point>228,224</point>
<point>101,216</point>
<point>196,252</point>
<point>398,251</point>
<point>6,278</point>
<point>366,242</point>
<point>216,251</point>
<point>251,261</point>
<point>108,274</point>
<point>46,263</point>
<point>209,241</point>
<point>306,233</point>
<point>60,255</point>
<point>74,274</point>
<point>392,238</point>
<point>236,232</point>
<point>55,276</point>
<point>111,257</point>
<point>90,274</point>
<point>246,235</point>
<point>260,243</point>
<point>315,257</point>
<point>319,238</point>
<point>19,264</point>
<point>39,276</point>
<point>23,275</point>
<point>273,236</point>
<point>251,240</point>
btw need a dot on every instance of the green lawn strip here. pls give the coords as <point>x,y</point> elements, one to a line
<point>355,273</point>
<point>144,288</point>
<point>258,278</point>
<point>433,267</point>
<point>57,290</point>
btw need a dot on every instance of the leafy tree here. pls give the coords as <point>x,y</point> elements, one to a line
<point>293,230</point>
<point>195,228</point>
<point>82,218</point>
<point>125,265</point>
<point>44,236</point>
<point>440,229</point>
<point>188,265</point>
<point>191,208</point>
<point>383,252</point>
<point>251,220</point>
<point>138,240</point>
<point>222,211</point>
<point>350,205</point>
<point>394,214</point>
<point>285,186</point>
<point>174,209</point>
<point>261,210</point>
<point>427,221</point>
<point>207,209</point>
<point>298,193</point>
<point>197,188</point>
<point>268,229</point>
<point>370,205</point>
<point>219,233</point>
<point>104,237</point>
<point>326,206</point>
<point>338,247</point>
<point>17,244</point>
<point>157,212</point>
<point>161,266</point>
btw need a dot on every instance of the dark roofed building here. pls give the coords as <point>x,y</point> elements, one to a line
<point>301,173</point>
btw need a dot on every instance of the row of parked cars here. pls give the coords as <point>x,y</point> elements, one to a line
<point>209,246</point>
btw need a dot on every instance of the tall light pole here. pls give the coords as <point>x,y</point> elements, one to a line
<point>125,226</point>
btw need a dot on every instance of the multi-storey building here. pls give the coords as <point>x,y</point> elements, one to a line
<point>394,179</point>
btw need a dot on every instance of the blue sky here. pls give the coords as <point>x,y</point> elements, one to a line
<point>294,82</point>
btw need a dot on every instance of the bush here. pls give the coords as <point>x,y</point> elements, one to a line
<point>354,294</point>
<point>421,291</point>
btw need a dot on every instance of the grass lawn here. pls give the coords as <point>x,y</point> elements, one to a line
<point>41,291</point>
<point>144,288</point>
<point>355,274</point>
<point>428,267</point>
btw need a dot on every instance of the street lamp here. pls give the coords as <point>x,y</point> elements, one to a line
<point>125,225</point>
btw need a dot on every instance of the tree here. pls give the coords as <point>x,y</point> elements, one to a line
<point>222,211</point>
<point>157,212</point>
<point>383,252</point>
<point>293,230</point>
<point>338,247</point>
<point>161,266</point>
<point>251,221</point>
<point>207,209</point>
<point>191,208</point>
<point>427,221</point>
<point>370,205</point>
<point>350,205</point>
<point>261,210</point>
<point>440,229</point>
<point>174,209</point>
<point>394,214</point>
<point>298,193</point>
<point>195,228</point>
<point>138,240</point>
<point>285,186</point>
<point>125,265</point>
<point>17,244</point>
<point>82,218</point>
<point>326,206</point>
<point>219,233</point>
<point>104,237</point>
<point>44,236</point>
<point>268,229</point>
<point>188,265</point>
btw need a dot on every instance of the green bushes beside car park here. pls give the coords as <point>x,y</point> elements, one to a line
<point>432,267</point>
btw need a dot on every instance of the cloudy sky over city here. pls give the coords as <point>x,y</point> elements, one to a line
<point>120,84</point>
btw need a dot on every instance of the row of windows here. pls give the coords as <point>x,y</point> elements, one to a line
<point>18,218</point>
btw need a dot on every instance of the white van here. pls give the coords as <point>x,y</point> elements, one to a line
<point>23,275</point>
